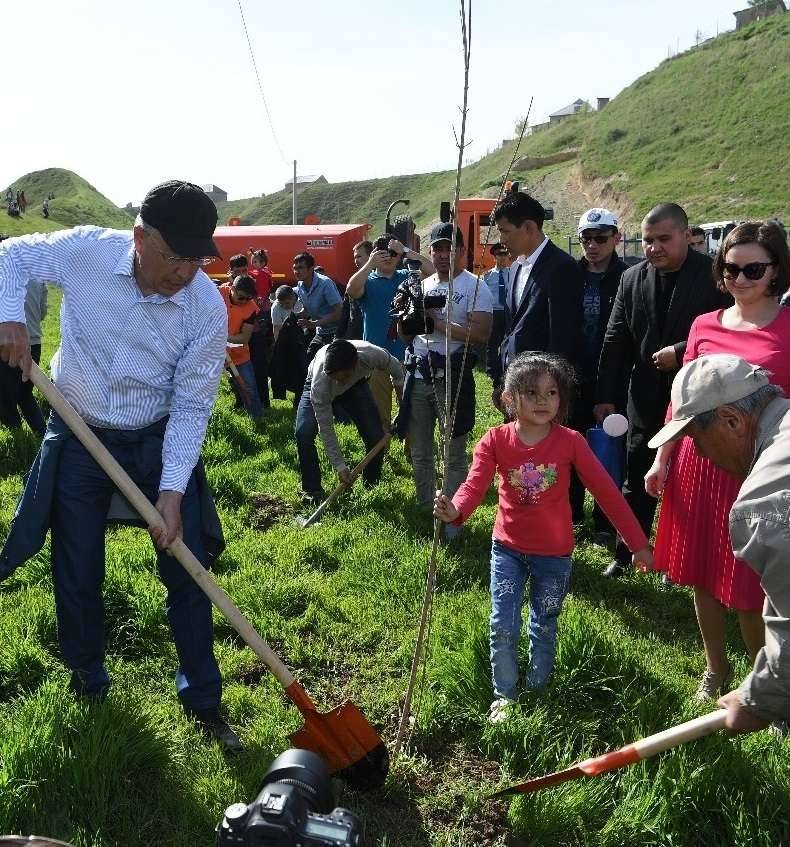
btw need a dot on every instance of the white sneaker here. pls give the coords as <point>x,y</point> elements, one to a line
<point>500,710</point>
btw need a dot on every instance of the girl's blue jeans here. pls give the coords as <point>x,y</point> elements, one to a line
<point>549,578</point>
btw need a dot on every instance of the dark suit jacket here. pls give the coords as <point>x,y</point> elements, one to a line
<point>549,317</point>
<point>633,336</point>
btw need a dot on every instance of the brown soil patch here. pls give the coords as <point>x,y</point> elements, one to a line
<point>447,791</point>
<point>267,510</point>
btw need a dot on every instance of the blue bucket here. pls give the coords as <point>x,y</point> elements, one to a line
<point>609,451</point>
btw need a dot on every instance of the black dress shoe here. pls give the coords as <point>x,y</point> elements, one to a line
<point>214,726</point>
<point>604,538</point>
<point>614,570</point>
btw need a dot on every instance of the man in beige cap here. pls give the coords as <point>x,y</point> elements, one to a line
<point>741,422</point>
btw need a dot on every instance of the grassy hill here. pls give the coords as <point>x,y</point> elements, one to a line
<point>705,128</point>
<point>76,202</point>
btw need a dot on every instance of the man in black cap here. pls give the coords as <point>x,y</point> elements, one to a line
<point>467,315</point>
<point>143,334</point>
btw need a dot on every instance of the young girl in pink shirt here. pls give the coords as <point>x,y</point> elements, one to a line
<point>533,532</point>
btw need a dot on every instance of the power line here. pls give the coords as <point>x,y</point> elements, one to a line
<point>260,86</point>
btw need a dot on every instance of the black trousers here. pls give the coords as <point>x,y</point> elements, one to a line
<point>261,356</point>
<point>316,343</point>
<point>639,458</point>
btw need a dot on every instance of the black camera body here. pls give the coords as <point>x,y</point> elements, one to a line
<point>294,806</point>
<point>410,304</point>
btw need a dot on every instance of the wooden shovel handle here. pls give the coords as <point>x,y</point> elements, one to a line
<point>151,516</point>
<point>680,734</point>
<point>654,744</point>
<point>356,471</point>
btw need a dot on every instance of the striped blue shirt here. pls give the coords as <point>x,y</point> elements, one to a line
<point>125,360</point>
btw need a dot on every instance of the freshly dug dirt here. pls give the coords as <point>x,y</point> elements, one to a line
<point>267,510</point>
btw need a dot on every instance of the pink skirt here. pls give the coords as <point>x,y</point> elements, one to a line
<point>693,538</point>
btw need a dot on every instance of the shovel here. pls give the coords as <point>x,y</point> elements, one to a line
<point>348,744</point>
<point>628,755</point>
<point>339,489</point>
<point>236,377</point>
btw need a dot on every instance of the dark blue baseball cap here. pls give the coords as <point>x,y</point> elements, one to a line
<point>444,232</point>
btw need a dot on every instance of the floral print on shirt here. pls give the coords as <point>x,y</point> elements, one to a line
<point>531,480</point>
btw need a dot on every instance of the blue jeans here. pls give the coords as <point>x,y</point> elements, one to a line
<point>360,406</point>
<point>550,576</point>
<point>79,511</point>
<point>250,399</point>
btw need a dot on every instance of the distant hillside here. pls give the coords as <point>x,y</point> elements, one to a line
<point>366,201</point>
<point>75,202</point>
<point>707,129</point>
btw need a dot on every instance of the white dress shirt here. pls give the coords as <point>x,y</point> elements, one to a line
<point>527,263</point>
<point>125,360</point>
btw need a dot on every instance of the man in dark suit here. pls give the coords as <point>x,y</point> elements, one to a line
<point>543,307</point>
<point>644,344</point>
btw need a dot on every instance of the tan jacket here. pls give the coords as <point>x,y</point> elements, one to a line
<point>323,390</point>
<point>760,534</point>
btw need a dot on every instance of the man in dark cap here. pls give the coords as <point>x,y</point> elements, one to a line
<point>467,316</point>
<point>142,347</point>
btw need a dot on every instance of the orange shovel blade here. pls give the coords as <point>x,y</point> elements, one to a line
<point>350,747</point>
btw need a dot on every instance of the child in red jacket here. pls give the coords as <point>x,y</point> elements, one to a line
<point>533,532</point>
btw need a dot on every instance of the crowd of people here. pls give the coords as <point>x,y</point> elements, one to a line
<point>565,343</point>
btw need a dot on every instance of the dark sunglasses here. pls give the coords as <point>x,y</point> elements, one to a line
<point>752,271</point>
<point>598,239</point>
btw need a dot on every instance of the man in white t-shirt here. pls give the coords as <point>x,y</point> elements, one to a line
<point>470,317</point>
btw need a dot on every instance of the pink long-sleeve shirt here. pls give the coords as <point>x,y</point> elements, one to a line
<point>534,514</point>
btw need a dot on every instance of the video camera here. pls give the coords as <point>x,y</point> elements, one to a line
<point>294,806</point>
<point>410,304</point>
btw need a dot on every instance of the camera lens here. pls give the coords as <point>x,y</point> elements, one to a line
<point>307,773</point>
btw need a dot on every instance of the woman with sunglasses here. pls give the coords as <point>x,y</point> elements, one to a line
<point>692,540</point>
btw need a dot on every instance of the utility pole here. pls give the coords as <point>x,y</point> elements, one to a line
<point>293,199</point>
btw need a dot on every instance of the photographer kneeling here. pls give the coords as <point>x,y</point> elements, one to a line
<point>338,375</point>
<point>426,367</point>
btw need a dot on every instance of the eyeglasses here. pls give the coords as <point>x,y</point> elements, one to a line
<point>598,239</point>
<point>200,261</point>
<point>752,271</point>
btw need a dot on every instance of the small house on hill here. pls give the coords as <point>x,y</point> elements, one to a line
<point>303,181</point>
<point>215,193</point>
<point>759,12</point>
<point>567,111</point>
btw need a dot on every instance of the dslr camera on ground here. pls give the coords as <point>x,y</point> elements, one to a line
<point>294,806</point>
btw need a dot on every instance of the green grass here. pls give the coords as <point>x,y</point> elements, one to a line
<point>340,603</point>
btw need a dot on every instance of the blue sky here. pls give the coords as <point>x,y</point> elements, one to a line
<point>128,94</point>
